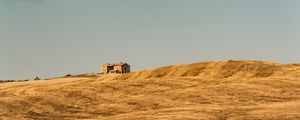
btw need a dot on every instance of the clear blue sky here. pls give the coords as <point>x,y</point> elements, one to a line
<point>49,38</point>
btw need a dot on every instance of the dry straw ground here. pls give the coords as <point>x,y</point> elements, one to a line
<point>210,90</point>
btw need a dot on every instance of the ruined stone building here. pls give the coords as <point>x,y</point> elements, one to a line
<point>119,68</point>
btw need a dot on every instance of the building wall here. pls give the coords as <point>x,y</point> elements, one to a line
<point>103,69</point>
<point>106,68</point>
<point>126,68</point>
<point>118,68</point>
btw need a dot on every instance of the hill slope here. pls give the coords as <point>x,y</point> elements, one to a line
<point>210,90</point>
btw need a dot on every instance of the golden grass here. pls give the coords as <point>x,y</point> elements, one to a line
<point>210,90</point>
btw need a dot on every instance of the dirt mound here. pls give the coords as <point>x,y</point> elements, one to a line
<point>246,69</point>
<point>222,69</point>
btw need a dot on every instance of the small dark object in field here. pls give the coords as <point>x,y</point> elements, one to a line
<point>68,75</point>
<point>37,78</point>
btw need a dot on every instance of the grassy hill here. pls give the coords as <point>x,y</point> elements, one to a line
<point>208,90</point>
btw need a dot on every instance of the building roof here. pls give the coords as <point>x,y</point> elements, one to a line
<point>121,63</point>
<point>118,64</point>
<point>107,64</point>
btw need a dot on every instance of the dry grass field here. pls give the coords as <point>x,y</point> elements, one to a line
<point>210,90</point>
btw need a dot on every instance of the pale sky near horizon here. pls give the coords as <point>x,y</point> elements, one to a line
<point>50,38</point>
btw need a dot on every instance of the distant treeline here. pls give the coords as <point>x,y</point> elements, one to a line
<point>4,81</point>
<point>68,75</point>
